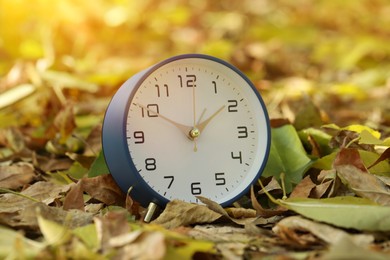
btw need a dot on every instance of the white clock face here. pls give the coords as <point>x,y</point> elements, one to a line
<point>196,127</point>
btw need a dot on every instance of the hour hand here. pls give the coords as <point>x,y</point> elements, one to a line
<point>183,128</point>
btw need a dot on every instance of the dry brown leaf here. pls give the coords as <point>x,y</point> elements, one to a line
<point>265,213</point>
<point>179,213</point>
<point>133,207</point>
<point>85,161</point>
<point>14,207</point>
<point>14,176</point>
<point>218,209</point>
<point>240,213</point>
<point>303,188</point>
<point>220,233</point>
<point>94,142</point>
<point>12,138</point>
<point>42,191</point>
<point>147,246</point>
<point>385,155</point>
<point>48,164</point>
<point>64,123</point>
<point>104,189</point>
<point>320,190</point>
<point>74,198</point>
<point>111,225</point>
<point>299,231</point>
<point>70,218</point>
<point>353,173</point>
<point>272,186</point>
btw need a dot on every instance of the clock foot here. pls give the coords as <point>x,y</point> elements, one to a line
<point>153,208</point>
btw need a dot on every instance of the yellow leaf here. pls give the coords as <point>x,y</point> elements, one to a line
<point>54,233</point>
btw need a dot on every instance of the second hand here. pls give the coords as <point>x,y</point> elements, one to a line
<point>194,133</point>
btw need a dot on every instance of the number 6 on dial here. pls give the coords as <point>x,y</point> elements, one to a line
<point>190,125</point>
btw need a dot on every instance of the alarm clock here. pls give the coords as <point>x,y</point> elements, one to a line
<point>191,125</point>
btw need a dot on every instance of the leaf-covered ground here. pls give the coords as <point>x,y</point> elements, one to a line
<point>323,68</point>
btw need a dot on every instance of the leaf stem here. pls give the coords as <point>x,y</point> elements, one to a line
<point>2,190</point>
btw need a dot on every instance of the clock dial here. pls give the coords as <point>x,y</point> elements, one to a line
<point>196,126</point>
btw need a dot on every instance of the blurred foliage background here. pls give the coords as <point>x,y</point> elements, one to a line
<point>336,54</point>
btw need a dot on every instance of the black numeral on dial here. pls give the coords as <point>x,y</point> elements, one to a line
<point>150,164</point>
<point>171,179</point>
<point>237,157</point>
<point>139,137</point>
<point>188,81</point>
<point>242,131</point>
<point>232,106</point>
<point>153,112</point>
<point>220,178</point>
<point>215,87</point>
<point>195,188</point>
<point>159,91</point>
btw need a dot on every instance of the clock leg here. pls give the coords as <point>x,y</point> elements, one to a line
<point>152,210</point>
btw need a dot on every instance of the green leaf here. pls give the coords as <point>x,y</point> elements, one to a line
<point>99,166</point>
<point>188,248</point>
<point>13,245</point>
<point>287,155</point>
<point>54,233</point>
<point>319,136</point>
<point>382,168</point>
<point>355,128</point>
<point>346,212</point>
<point>88,235</point>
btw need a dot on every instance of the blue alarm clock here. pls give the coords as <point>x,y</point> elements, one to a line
<point>190,125</point>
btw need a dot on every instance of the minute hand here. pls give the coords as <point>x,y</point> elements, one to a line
<point>202,125</point>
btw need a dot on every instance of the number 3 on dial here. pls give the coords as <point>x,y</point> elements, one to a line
<point>190,125</point>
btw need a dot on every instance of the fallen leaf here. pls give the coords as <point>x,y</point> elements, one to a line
<point>345,248</point>
<point>16,175</point>
<point>111,225</point>
<point>265,213</point>
<point>54,233</point>
<point>384,156</point>
<point>132,206</point>
<point>272,186</point>
<point>240,213</point>
<point>63,124</point>
<point>147,245</point>
<point>303,189</point>
<point>104,189</point>
<point>307,115</point>
<point>74,198</point>
<point>12,138</point>
<point>328,184</point>
<point>178,213</point>
<point>346,212</point>
<point>293,163</point>
<point>88,234</point>
<point>99,166</point>
<point>43,191</point>
<point>16,94</point>
<point>70,218</point>
<point>298,225</point>
<point>94,143</point>
<point>353,173</point>
<point>13,245</point>
<point>230,241</point>
<point>220,210</point>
